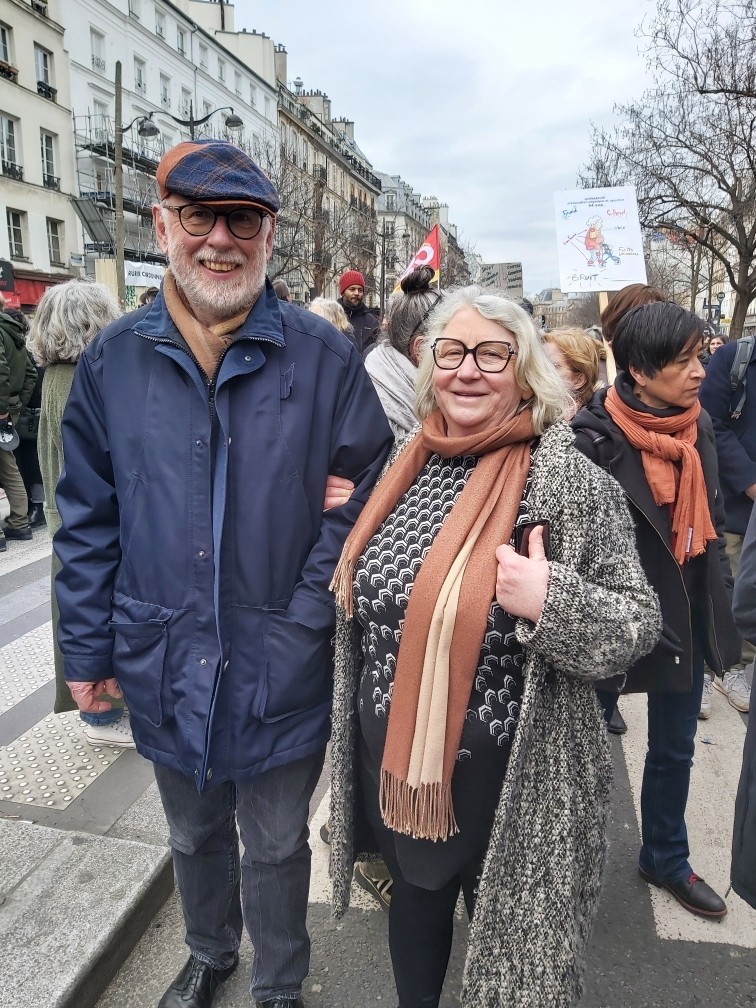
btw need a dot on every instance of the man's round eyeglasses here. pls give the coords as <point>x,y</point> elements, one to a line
<point>490,357</point>
<point>200,220</point>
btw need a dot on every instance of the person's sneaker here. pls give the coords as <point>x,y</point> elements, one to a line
<point>736,686</point>
<point>16,533</point>
<point>379,889</point>
<point>325,831</point>
<point>706,697</point>
<point>3,544</point>
<point>116,734</point>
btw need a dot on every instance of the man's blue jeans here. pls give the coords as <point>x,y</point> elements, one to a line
<point>106,718</point>
<point>271,889</point>
<point>672,721</point>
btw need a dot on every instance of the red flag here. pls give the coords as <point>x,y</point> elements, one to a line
<point>429,254</point>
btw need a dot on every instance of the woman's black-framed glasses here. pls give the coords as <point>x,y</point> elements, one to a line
<point>490,357</point>
<point>199,220</point>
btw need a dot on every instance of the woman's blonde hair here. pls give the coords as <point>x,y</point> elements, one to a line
<point>532,368</point>
<point>582,355</point>
<point>332,312</point>
<point>68,318</point>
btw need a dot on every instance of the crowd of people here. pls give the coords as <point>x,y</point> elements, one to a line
<point>504,529</point>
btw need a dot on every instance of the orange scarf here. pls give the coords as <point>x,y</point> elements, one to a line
<point>662,442</point>
<point>446,614</point>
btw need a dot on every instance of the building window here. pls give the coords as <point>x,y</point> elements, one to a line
<point>207,109</point>
<point>252,95</point>
<point>97,47</point>
<point>43,65</point>
<point>55,242</point>
<point>134,8</point>
<point>8,150</point>
<point>48,142</point>
<point>160,23</point>
<point>203,57</point>
<point>16,228</point>
<point>186,102</point>
<point>238,83</point>
<point>181,41</point>
<point>165,91</point>
<point>140,76</point>
<point>5,48</point>
<point>267,107</point>
<point>391,202</point>
<point>221,70</point>
<point>100,121</point>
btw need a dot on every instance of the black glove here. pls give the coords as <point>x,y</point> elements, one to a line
<point>669,641</point>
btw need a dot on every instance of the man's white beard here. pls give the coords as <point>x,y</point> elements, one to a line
<point>225,298</point>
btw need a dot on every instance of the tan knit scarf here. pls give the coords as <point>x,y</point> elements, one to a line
<point>662,442</point>
<point>207,343</point>
<point>446,615</point>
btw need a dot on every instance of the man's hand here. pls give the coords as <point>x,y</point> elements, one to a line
<point>521,582</point>
<point>95,697</point>
<point>338,491</point>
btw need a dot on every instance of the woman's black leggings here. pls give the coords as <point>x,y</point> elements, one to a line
<point>421,923</point>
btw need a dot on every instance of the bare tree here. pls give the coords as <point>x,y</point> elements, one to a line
<point>690,154</point>
<point>585,311</point>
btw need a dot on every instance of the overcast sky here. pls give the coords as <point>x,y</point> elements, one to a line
<point>485,109</point>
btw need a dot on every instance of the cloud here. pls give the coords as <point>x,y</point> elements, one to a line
<point>484,105</point>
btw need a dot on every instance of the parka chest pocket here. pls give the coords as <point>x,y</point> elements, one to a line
<point>138,658</point>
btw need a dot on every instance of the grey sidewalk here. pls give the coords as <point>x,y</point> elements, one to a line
<point>83,862</point>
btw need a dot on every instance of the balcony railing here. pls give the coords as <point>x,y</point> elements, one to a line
<point>46,90</point>
<point>140,86</point>
<point>13,170</point>
<point>40,6</point>
<point>98,63</point>
<point>8,71</point>
<point>51,182</point>
<point>165,101</point>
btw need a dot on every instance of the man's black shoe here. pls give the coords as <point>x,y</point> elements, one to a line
<point>196,985</point>
<point>3,544</point>
<point>14,533</point>
<point>36,516</point>
<point>616,724</point>
<point>279,1002</point>
<point>693,894</point>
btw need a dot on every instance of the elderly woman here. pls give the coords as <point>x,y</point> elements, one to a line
<point>69,316</point>
<point>332,312</point>
<point>575,355</point>
<point>392,364</point>
<point>464,698</point>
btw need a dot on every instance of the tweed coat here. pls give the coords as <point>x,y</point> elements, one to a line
<point>540,885</point>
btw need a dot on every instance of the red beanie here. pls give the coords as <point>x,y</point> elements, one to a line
<point>349,279</point>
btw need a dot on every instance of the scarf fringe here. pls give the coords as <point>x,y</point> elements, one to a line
<point>424,813</point>
<point>341,584</point>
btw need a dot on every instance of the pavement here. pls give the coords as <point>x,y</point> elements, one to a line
<point>89,919</point>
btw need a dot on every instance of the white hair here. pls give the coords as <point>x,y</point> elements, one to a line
<point>68,317</point>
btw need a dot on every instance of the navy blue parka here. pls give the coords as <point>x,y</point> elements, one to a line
<point>196,557</point>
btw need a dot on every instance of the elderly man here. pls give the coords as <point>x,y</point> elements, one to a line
<point>365,324</point>
<point>196,558</point>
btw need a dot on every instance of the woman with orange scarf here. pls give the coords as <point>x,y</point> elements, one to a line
<point>650,432</point>
<point>467,737</point>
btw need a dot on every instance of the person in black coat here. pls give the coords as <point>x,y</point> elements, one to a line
<point>649,417</point>
<point>743,870</point>
<point>736,451</point>
<point>365,324</point>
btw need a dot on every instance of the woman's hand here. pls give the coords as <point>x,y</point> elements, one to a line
<point>521,582</point>
<point>338,492</point>
<point>95,697</point>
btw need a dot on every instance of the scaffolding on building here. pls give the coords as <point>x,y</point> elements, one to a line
<point>95,140</point>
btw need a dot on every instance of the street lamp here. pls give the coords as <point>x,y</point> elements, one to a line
<point>233,122</point>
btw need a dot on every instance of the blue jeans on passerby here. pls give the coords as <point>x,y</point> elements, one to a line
<point>270,889</point>
<point>98,720</point>
<point>672,721</point>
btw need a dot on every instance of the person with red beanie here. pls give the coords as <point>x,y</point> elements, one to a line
<point>366,325</point>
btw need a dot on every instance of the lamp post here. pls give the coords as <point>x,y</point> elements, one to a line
<point>232,122</point>
<point>146,129</point>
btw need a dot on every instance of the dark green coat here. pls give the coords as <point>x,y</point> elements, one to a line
<point>18,376</point>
